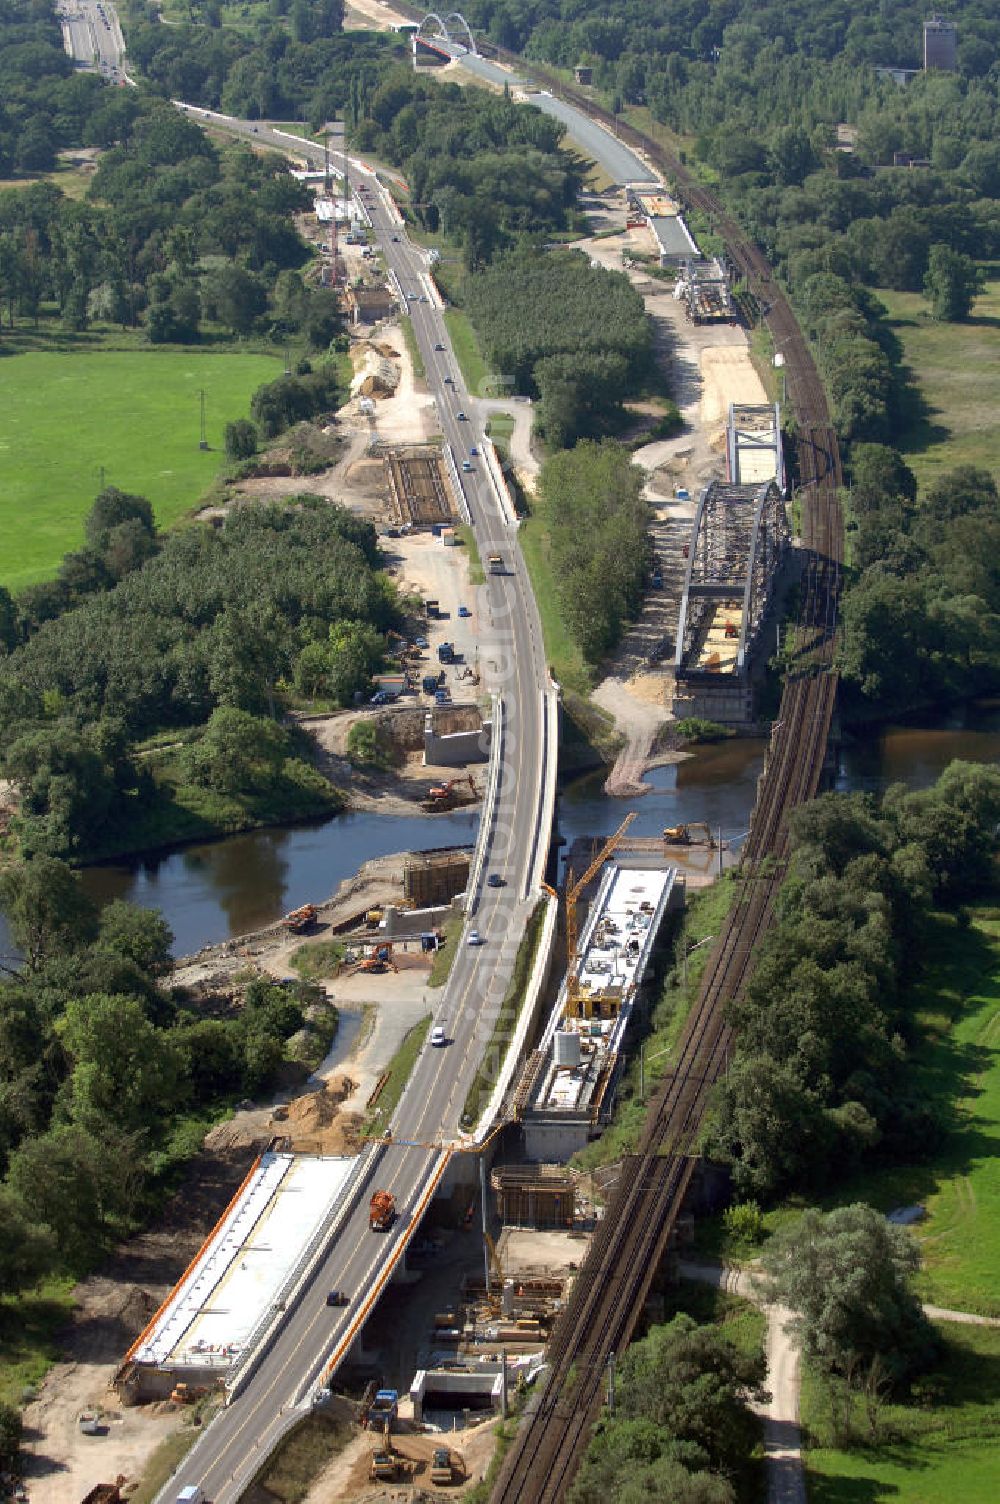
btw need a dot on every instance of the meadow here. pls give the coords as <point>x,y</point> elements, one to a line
<point>954,370</point>
<point>72,421</point>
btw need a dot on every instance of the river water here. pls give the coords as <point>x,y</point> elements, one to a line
<point>211,891</point>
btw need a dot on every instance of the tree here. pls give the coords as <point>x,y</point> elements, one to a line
<point>77,1185</point>
<point>141,936</point>
<point>847,1277</point>
<point>111,508</point>
<point>10,1438</point>
<point>8,621</point>
<point>46,908</point>
<point>27,1250</point>
<point>951,284</point>
<point>237,752</point>
<point>241,439</point>
<point>124,1071</point>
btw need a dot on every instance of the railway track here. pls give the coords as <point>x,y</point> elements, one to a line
<point>612,1285</point>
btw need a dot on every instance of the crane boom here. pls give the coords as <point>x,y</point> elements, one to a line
<point>574,887</point>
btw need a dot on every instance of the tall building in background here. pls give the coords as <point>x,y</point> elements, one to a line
<point>940,43</point>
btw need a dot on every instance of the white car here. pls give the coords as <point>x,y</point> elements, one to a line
<point>475,938</point>
<point>438,1036</point>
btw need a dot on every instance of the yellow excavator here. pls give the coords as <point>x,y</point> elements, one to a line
<point>684,835</point>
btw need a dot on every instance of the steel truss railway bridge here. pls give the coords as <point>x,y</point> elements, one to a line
<point>739,539</point>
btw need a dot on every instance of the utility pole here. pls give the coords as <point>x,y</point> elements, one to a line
<point>503,1383</point>
<point>203,441</point>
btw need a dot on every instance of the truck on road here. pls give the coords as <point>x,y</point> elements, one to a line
<point>382,1211</point>
<point>497,565</point>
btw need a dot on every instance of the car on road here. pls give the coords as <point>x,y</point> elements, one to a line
<point>466,468</point>
<point>395,240</point>
<point>449,381</point>
<point>474,451</point>
<point>337,1298</point>
<point>475,938</point>
<point>464,611</point>
<point>462,418</point>
<point>495,881</point>
<point>438,1036</point>
<point>439,346</point>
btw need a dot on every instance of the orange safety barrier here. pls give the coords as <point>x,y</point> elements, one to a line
<point>150,1324</point>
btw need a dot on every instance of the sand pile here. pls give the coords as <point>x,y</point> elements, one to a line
<point>316,1124</point>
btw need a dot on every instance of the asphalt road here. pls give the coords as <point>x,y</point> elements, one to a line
<point>91,34</point>
<point>231,1451</point>
<point>620,163</point>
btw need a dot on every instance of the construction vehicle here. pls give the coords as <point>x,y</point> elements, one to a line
<point>441,1472</point>
<point>383,1411</point>
<point>432,682</point>
<point>732,630</point>
<point>683,835</point>
<point>446,652</point>
<point>300,920</point>
<point>379,960</point>
<point>186,1394</point>
<point>373,918</point>
<point>381,1215</point>
<point>574,887</point>
<point>444,796</point>
<point>383,1466</point>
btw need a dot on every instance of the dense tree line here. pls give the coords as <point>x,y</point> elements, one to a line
<point>821,1079</point>
<point>172,233</point>
<point>294,64</point>
<point>922,613</point>
<point>101,1065</point>
<point>480,168</point>
<point>206,626</point>
<point>591,503</point>
<point>574,335</point>
<point>683,1428</point>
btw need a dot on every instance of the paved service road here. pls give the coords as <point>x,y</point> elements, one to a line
<point>235,1445</point>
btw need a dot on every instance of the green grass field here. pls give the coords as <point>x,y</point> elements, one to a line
<point>136,415</point>
<point>467,352</point>
<point>956,370</point>
<point>944,1451</point>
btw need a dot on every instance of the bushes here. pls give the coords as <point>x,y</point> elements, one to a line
<point>820,1081</point>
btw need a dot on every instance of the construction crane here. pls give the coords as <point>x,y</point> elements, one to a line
<point>574,887</point>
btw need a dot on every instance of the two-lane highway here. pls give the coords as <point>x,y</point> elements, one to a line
<point>312,1337</point>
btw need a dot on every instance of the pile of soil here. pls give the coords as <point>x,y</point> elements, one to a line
<point>316,1123</point>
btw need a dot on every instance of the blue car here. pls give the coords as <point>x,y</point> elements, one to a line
<point>464,611</point>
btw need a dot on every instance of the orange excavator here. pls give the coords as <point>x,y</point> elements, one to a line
<point>301,919</point>
<point>446,795</point>
<point>379,960</point>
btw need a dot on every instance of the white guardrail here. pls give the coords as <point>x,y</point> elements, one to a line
<point>547,803</point>
<point>487,819</point>
<point>525,1021</point>
<point>258,1341</point>
<point>456,485</point>
<point>495,473</point>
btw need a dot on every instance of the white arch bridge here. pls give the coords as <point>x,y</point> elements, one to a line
<point>452,30</point>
